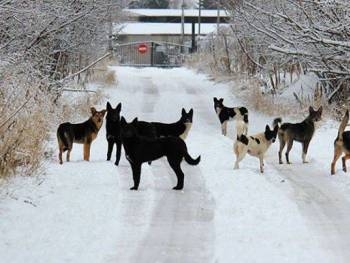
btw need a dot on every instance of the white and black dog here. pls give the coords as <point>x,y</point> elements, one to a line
<point>225,114</point>
<point>255,145</point>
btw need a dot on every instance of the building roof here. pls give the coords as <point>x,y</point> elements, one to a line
<point>161,29</point>
<point>176,12</point>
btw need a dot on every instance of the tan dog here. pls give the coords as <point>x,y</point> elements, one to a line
<point>83,133</point>
<point>342,144</point>
<point>255,145</point>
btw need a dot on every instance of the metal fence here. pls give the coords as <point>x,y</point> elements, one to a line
<point>151,54</point>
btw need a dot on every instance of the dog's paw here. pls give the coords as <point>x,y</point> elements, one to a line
<point>280,162</point>
<point>305,161</point>
<point>178,188</point>
<point>134,188</point>
<point>116,163</point>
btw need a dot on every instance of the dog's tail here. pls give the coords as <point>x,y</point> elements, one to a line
<point>61,136</point>
<point>192,161</point>
<point>241,127</point>
<point>343,124</point>
<point>277,122</point>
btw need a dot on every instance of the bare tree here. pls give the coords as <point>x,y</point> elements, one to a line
<point>313,34</point>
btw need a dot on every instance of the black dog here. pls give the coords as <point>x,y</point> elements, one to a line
<point>225,114</point>
<point>177,129</point>
<point>113,131</point>
<point>301,132</point>
<point>139,149</point>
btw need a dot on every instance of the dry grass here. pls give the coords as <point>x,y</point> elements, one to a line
<point>101,73</point>
<point>274,105</point>
<point>27,116</point>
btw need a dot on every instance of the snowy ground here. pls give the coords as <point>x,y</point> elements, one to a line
<point>84,212</point>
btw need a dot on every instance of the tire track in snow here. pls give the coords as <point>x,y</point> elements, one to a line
<point>326,210</point>
<point>165,225</point>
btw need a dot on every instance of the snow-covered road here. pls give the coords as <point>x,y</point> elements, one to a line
<point>84,212</point>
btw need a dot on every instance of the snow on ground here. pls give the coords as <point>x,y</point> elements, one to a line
<point>84,212</point>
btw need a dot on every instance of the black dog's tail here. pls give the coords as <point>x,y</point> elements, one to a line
<point>61,136</point>
<point>192,161</point>
<point>277,122</point>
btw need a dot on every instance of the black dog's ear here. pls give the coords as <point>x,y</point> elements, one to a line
<point>183,112</point>
<point>221,100</point>
<point>215,99</point>
<point>134,121</point>
<point>191,112</point>
<point>122,121</point>
<point>109,107</point>
<point>311,109</point>
<point>267,128</point>
<point>119,106</point>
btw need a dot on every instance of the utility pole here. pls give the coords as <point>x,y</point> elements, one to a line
<point>218,18</point>
<point>183,23</point>
<point>199,17</point>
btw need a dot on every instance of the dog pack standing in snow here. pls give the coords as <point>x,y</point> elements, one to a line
<point>225,114</point>
<point>113,131</point>
<point>83,133</point>
<point>139,149</point>
<point>342,144</point>
<point>301,132</point>
<point>178,129</point>
<point>255,145</point>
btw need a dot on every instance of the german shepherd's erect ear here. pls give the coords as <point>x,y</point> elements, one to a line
<point>134,121</point>
<point>93,110</point>
<point>108,106</point>
<point>191,112</point>
<point>119,106</point>
<point>183,112</point>
<point>122,121</point>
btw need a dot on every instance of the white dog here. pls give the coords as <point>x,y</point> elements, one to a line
<point>255,145</point>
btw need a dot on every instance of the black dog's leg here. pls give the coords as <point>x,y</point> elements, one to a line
<point>305,147</point>
<point>282,144</point>
<point>118,153</point>
<point>136,174</point>
<point>289,147</point>
<point>175,165</point>
<point>110,149</point>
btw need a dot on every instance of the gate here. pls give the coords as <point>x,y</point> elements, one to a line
<point>151,54</point>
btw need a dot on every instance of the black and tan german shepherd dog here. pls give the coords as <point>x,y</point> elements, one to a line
<point>225,114</point>
<point>83,133</point>
<point>113,131</point>
<point>178,129</point>
<point>140,149</point>
<point>342,144</point>
<point>301,132</point>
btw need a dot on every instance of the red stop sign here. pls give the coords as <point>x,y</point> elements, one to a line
<point>142,48</point>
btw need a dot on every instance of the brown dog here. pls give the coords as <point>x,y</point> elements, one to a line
<point>83,133</point>
<point>342,144</point>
